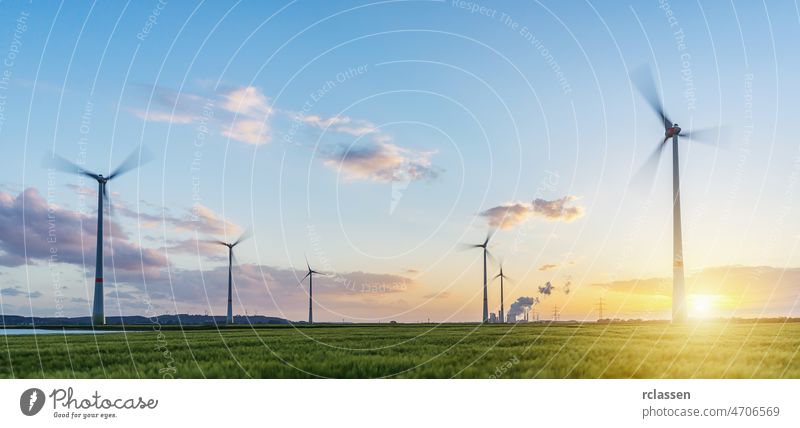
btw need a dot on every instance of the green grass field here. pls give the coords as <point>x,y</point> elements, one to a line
<point>712,350</point>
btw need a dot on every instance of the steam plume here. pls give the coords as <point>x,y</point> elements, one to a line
<point>522,305</point>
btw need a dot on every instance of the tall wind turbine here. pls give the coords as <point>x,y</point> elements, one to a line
<point>643,80</point>
<point>486,255</point>
<point>230,245</point>
<point>502,277</point>
<point>310,276</point>
<point>133,161</point>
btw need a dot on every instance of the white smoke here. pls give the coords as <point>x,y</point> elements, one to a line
<point>522,305</point>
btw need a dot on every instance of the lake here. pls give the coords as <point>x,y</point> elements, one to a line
<point>14,331</point>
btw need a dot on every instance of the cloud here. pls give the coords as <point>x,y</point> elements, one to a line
<point>654,286</point>
<point>201,222</point>
<point>164,117</point>
<point>732,279</point>
<point>320,122</point>
<point>84,190</point>
<point>339,124</point>
<point>250,131</point>
<point>121,295</point>
<point>382,162</point>
<point>512,214</point>
<point>205,220</point>
<point>547,289</point>
<point>14,292</point>
<point>557,210</point>
<point>141,275</point>
<point>251,110</point>
<point>438,295</point>
<point>50,233</point>
<point>508,215</point>
<point>199,219</point>
<point>246,101</point>
<point>359,282</point>
<point>546,267</point>
<point>357,131</point>
<point>258,285</point>
<point>243,112</point>
<point>750,290</point>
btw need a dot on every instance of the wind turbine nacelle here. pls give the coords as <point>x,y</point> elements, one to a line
<point>674,130</point>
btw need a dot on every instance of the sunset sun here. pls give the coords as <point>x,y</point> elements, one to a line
<point>703,305</point>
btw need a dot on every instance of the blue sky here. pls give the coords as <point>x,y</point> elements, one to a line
<point>437,113</point>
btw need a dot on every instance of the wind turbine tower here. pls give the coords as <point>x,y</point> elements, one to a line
<point>644,83</point>
<point>133,161</point>
<point>310,276</point>
<point>231,245</point>
<point>502,277</point>
<point>486,255</point>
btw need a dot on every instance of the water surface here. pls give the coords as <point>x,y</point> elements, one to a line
<point>22,331</point>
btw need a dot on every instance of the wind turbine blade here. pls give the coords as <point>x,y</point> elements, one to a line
<point>489,235</point>
<point>63,165</point>
<point>706,135</point>
<point>491,257</point>
<point>245,235</point>
<point>303,279</point>
<point>307,265</point>
<point>134,160</point>
<point>107,200</point>
<point>642,78</point>
<point>216,241</point>
<point>646,174</point>
<point>465,247</point>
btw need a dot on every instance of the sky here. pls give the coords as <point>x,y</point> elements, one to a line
<point>375,139</point>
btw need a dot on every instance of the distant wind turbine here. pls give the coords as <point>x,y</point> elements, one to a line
<point>643,80</point>
<point>310,276</point>
<point>486,255</point>
<point>133,161</point>
<point>230,245</point>
<point>502,277</point>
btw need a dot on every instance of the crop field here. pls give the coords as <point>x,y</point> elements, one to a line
<point>708,350</point>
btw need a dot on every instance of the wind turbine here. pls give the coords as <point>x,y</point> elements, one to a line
<point>502,276</point>
<point>486,255</point>
<point>133,161</point>
<point>230,245</point>
<point>310,276</point>
<point>643,81</point>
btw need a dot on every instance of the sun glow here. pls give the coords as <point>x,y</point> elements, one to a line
<point>703,305</point>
